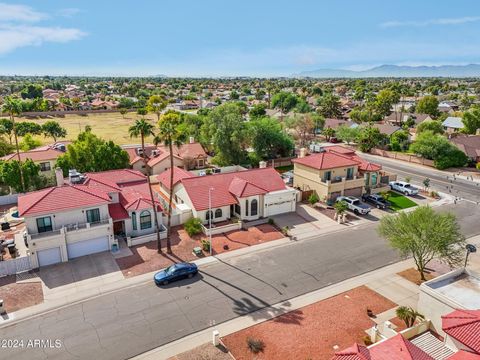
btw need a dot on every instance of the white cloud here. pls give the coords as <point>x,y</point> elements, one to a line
<point>22,13</point>
<point>441,21</point>
<point>68,12</point>
<point>17,31</point>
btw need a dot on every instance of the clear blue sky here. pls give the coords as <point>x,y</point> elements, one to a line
<point>221,37</point>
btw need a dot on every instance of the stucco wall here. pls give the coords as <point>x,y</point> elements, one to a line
<point>164,165</point>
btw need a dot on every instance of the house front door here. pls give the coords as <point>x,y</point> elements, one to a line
<point>119,227</point>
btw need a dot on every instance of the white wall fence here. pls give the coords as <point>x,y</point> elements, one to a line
<point>222,229</point>
<point>15,266</point>
<point>9,199</point>
<point>138,240</point>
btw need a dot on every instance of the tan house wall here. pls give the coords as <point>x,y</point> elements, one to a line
<point>164,165</point>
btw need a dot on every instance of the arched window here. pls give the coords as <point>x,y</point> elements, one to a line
<point>254,205</point>
<point>145,220</point>
<point>209,215</point>
<point>218,213</point>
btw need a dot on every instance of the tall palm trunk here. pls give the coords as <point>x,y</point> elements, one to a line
<point>155,217</point>
<point>169,221</point>
<point>22,180</point>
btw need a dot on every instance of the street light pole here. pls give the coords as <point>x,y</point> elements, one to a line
<point>210,214</point>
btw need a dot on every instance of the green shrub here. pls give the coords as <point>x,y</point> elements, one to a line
<point>285,230</point>
<point>205,245</point>
<point>340,207</point>
<point>313,198</point>
<point>478,166</point>
<point>193,226</point>
<point>255,345</point>
<point>271,221</point>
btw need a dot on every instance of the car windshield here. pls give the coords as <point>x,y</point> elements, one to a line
<point>170,269</point>
<point>407,185</point>
<point>355,202</point>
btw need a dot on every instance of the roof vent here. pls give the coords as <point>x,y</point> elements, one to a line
<point>74,177</point>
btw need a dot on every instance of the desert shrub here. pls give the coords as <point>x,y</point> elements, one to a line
<point>313,198</point>
<point>255,345</point>
<point>205,245</point>
<point>367,341</point>
<point>193,226</point>
<point>271,221</point>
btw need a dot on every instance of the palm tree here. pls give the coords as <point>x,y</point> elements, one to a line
<point>142,128</point>
<point>408,315</point>
<point>170,133</point>
<point>14,108</point>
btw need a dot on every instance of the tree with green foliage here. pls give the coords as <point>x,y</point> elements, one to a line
<point>257,111</point>
<point>428,105</point>
<point>28,127</point>
<point>32,91</point>
<point>437,148</point>
<point>384,101</point>
<point>425,235</point>
<point>285,101</point>
<point>171,132</point>
<point>224,129</point>
<point>6,128</point>
<point>434,126</point>
<point>156,104</point>
<point>346,133</point>
<point>318,122</point>
<point>11,172</point>
<point>471,121</point>
<point>28,143</point>
<point>302,107</point>
<point>53,129</point>
<point>328,133</point>
<point>364,115</point>
<point>193,226</point>
<point>408,315</point>
<point>13,107</point>
<point>142,128</point>
<point>89,153</point>
<point>340,207</point>
<point>399,140</point>
<point>369,137</point>
<point>329,106</point>
<point>268,140</point>
<point>6,148</point>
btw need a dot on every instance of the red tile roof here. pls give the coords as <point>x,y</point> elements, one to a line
<point>363,164</point>
<point>56,199</point>
<point>464,355</point>
<point>397,348</point>
<point>178,175</point>
<point>463,326</point>
<point>119,177</point>
<point>117,212</point>
<point>394,348</point>
<point>355,352</point>
<point>267,180</point>
<point>325,160</point>
<point>43,153</point>
<point>242,188</point>
<point>137,197</point>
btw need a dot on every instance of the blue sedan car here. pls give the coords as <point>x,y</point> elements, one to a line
<point>175,272</point>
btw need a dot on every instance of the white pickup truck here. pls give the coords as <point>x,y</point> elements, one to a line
<point>355,204</point>
<point>403,187</point>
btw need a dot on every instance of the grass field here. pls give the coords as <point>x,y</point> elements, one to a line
<point>109,126</point>
<point>399,201</point>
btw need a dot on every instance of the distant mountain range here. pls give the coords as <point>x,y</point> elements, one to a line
<point>458,71</point>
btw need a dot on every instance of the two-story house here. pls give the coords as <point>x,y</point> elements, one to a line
<point>76,219</point>
<point>334,172</point>
<point>247,195</point>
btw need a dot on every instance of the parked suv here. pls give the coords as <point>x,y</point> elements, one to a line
<point>355,204</point>
<point>403,187</point>
<point>377,200</point>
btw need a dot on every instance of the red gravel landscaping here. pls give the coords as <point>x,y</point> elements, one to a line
<point>312,332</point>
<point>145,258</point>
<point>18,296</point>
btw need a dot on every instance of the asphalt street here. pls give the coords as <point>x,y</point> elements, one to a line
<point>131,321</point>
<point>439,180</point>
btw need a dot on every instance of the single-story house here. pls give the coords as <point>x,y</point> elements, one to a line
<point>248,195</point>
<point>396,118</point>
<point>74,218</point>
<point>469,144</point>
<point>452,124</point>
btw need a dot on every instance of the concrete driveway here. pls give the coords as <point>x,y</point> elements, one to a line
<point>306,222</point>
<point>87,272</point>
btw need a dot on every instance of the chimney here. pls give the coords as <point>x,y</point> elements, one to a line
<point>262,164</point>
<point>303,153</point>
<point>192,139</point>
<point>59,176</point>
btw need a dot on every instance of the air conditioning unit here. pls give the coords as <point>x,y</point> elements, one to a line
<point>155,152</point>
<point>139,151</point>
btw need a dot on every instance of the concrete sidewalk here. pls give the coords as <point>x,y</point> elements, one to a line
<point>384,281</point>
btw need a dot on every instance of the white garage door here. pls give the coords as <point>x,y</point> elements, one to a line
<point>49,256</point>
<point>87,247</point>
<point>280,207</point>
